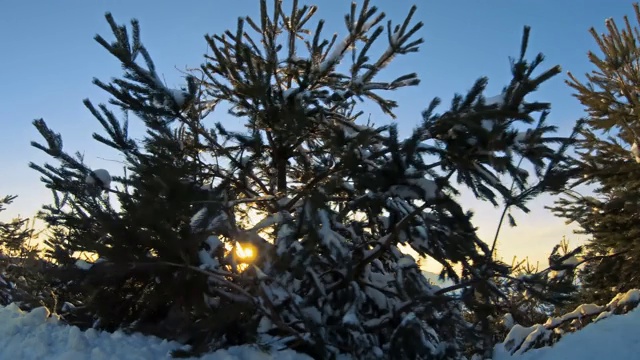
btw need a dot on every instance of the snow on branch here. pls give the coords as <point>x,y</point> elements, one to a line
<point>522,339</point>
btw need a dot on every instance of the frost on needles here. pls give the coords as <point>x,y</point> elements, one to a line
<point>322,198</point>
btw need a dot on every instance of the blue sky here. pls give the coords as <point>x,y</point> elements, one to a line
<point>49,58</point>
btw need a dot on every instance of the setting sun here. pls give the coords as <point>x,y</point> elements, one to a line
<point>245,252</point>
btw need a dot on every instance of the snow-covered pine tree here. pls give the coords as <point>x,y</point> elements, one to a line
<point>608,164</point>
<point>323,199</point>
<point>534,294</point>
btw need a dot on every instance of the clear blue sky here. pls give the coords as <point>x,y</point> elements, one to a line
<point>49,58</point>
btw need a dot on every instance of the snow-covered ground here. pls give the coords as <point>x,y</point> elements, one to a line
<point>36,335</point>
<point>616,337</point>
<point>39,335</point>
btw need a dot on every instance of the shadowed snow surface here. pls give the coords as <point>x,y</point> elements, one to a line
<point>616,337</point>
<point>40,335</point>
<point>36,335</point>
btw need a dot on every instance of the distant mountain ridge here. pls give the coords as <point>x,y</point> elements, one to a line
<point>434,279</point>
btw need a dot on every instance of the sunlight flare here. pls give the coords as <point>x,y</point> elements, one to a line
<point>246,253</point>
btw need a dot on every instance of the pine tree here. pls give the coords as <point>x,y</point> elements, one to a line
<point>607,161</point>
<point>16,234</point>
<point>322,198</point>
<point>22,270</point>
<point>529,306</point>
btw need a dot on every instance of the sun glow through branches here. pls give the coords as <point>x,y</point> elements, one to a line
<point>246,253</point>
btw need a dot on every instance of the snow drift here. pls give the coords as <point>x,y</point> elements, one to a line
<point>37,335</point>
<point>40,335</point>
<point>589,332</point>
<point>614,338</point>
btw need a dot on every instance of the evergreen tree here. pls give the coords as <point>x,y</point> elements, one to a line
<point>323,199</point>
<point>22,279</point>
<point>558,280</point>
<point>608,159</point>
<point>15,235</point>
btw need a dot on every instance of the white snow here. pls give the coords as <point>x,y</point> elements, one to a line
<point>571,261</point>
<point>606,336</point>
<point>497,100</point>
<point>507,321</point>
<point>521,335</point>
<point>330,238</point>
<point>100,174</point>
<point>406,262</point>
<point>335,56</point>
<point>40,335</point>
<point>268,221</point>
<point>178,96</point>
<point>631,296</point>
<point>198,217</point>
<point>340,48</point>
<point>579,312</point>
<point>350,319</point>
<point>403,192</point>
<point>81,264</point>
<point>615,337</point>
<point>288,92</point>
<point>487,124</point>
<point>206,260</point>
<point>213,242</point>
<point>635,151</point>
<point>557,274</point>
<point>429,187</point>
<point>260,275</point>
<point>603,315</point>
